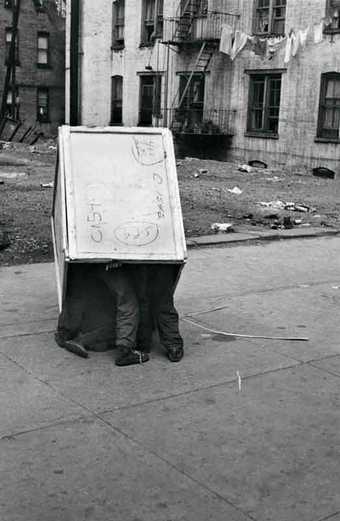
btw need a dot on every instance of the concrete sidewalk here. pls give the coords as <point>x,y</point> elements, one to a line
<point>86,440</point>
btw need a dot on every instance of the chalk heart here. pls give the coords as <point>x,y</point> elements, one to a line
<point>137,233</point>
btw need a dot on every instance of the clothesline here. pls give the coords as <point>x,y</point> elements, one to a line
<point>233,42</point>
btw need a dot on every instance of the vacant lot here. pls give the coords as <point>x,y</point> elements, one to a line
<point>205,192</point>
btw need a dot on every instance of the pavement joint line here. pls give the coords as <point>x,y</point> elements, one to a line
<point>257,292</point>
<point>20,335</point>
<point>323,370</point>
<point>29,322</point>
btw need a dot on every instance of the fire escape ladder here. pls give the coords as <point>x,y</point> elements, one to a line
<point>186,16</point>
<point>11,63</point>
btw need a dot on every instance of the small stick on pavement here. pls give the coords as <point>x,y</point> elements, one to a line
<point>224,333</point>
<point>239,381</point>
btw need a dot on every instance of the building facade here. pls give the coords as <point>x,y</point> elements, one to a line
<point>35,93</point>
<point>259,78</point>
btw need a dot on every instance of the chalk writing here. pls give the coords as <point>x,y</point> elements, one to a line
<point>94,218</point>
<point>137,233</point>
<point>146,151</point>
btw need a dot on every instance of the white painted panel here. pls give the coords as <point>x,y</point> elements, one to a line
<point>122,195</point>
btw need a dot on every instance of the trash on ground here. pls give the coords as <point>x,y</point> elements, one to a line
<point>12,175</point>
<point>52,147</point>
<point>289,205</point>
<point>236,190</point>
<point>47,185</point>
<point>322,171</point>
<point>203,171</point>
<point>297,221</point>
<point>287,223</point>
<point>6,146</point>
<point>277,205</point>
<point>257,163</point>
<point>245,168</point>
<point>275,179</point>
<point>196,175</point>
<point>222,227</point>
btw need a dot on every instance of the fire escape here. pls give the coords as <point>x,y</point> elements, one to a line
<point>195,34</point>
<point>9,114</point>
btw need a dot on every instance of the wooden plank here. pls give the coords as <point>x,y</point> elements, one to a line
<point>122,197</point>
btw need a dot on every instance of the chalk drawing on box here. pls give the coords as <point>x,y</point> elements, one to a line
<point>147,151</point>
<point>137,233</point>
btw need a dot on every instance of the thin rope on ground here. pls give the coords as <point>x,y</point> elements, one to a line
<point>262,337</point>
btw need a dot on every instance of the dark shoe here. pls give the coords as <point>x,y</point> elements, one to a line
<point>131,358</point>
<point>175,353</point>
<point>71,345</point>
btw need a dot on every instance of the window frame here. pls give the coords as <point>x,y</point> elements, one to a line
<point>9,30</point>
<point>268,77</point>
<point>154,26</point>
<point>43,118</point>
<point>156,111</point>
<point>9,111</point>
<point>118,22</point>
<point>271,18</point>
<point>331,7</point>
<point>47,65</point>
<point>115,101</point>
<point>322,134</point>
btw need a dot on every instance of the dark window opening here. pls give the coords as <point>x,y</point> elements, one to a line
<point>152,21</point>
<point>117,100</point>
<point>270,17</point>
<point>118,23</point>
<point>329,108</point>
<point>12,103</point>
<point>8,42</point>
<point>43,50</point>
<point>43,112</point>
<point>40,5</point>
<point>191,102</point>
<point>9,4</point>
<point>150,98</point>
<point>264,103</point>
<point>332,22</point>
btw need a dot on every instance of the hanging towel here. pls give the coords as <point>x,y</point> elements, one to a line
<point>273,45</point>
<point>226,42</point>
<point>288,51</point>
<point>303,34</point>
<point>240,41</point>
<point>295,43</point>
<point>318,32</point>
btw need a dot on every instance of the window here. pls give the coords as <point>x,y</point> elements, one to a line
<point>8,41</point>
<point>40,5</point>
<point>152,21</point>
<point>197,8</point>
<point>9,4</point>
<point>116,100</point>
<point>12,103</point>
<point>270,16</point>
<point>333,16</point>
<point>43,114</point>
<point>150,98</point>
<point>118,15</point>
<point>264,103</point>
<point>329,108</point>
<point>191,102</point>
<point>43,50</point>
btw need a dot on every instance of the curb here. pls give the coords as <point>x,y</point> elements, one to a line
<point>222,239</point>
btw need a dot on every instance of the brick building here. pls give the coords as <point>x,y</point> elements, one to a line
<point>256,79</point>
<point>38,94</point>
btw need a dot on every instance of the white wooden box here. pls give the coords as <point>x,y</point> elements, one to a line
<point>116,197</point>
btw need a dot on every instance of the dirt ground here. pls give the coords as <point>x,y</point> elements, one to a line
<point>25,232</point>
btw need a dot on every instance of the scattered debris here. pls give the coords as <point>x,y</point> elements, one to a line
<point>203,171</point>
<point>277,205</point>
<point>12,175</point>
<point>322,171</point>
<point>256,163</point>
<point>47,185</point>
<point>245,168</point>
<point>52,147</point>
<point>275,179</point>
<point>222,227</point>
<point>236,190</point>
<point>196,175</point>
<point>281,205</point>
<point>6,145</point>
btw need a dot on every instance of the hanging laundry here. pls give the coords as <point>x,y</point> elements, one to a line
<point>318,32</point>
<point>295,43</point>
<point>273,45</point>
<point>258,45</point>
<point>226,41</point>
<point>288,51</point>
<point>303,34</point>
<point>240,41</point>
